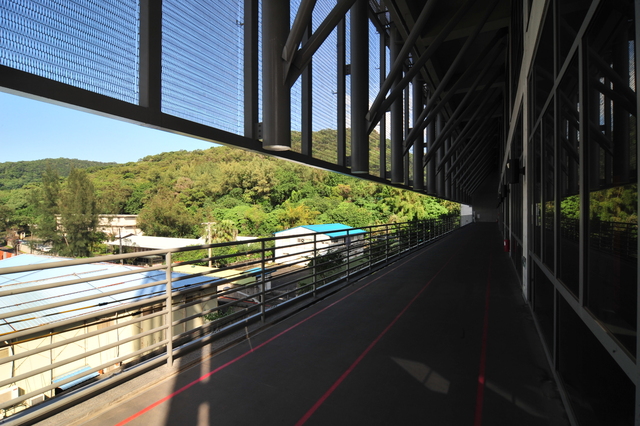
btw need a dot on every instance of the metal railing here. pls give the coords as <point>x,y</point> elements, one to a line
<point>65,326</point>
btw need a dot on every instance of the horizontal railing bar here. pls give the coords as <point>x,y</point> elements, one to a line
<point>80,300</point>
<point>77,338</point>
<point>94,369</point>
<point>78,357</point>
<point>80,319</point>
<point>29,289</point>
<point>55,406</point>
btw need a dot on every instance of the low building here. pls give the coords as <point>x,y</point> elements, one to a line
<point>303,242</point>
<point>119,225</point>
<point>98,283</point>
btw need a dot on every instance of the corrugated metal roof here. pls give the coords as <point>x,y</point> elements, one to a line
<point>93,286</point>
<point>157,243</point>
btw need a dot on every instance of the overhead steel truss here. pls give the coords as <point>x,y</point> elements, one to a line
<point>439,102</point>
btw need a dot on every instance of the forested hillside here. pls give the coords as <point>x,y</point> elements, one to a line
<point>14,175</point>
<point>175,192</point>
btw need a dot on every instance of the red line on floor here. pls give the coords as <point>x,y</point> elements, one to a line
<point>184,388</point>
<point>344,375</point>
<point>477,421</point>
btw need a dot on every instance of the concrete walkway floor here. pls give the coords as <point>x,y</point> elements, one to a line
<point>440,337</point>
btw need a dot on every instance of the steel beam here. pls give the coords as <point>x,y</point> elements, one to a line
<point>484,122</point>
<point>462,55</point>
<point>421,61</point>
<point>398,63</point>
<point>473,147</point>
<point>300,24</point>
<point>432,107</point>
<point>453,120</point>
<point>303,55</point>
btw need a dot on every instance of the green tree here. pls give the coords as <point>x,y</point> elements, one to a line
<point>47,209</point>
<point>78,216</point>
<point>165,216</point>
<point>220,232</point>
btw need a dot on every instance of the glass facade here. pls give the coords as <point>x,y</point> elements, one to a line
<point>583,204</point>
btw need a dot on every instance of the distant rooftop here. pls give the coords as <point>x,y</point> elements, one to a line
<point>333,230</point>
<point>93,286</point>
<point>157,243</point>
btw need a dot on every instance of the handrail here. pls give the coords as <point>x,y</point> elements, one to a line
<point>143,323</point>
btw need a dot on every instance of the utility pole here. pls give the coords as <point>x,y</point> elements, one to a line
<point>209,241</point>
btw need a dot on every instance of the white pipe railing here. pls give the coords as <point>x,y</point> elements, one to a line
<point>149,314</point>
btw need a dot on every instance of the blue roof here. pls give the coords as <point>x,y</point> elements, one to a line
<point>93,286</point>
<point>333,229</point>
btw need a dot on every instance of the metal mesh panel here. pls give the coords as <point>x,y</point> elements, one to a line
<point>202,62</point>
<point>325,78</point>
<point>90,44</point>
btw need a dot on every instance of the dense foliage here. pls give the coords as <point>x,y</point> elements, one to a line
<point>176,193</point>
<point>66,216</point>
<point>14,175</point>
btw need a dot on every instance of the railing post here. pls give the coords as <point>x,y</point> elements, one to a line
<point>347,242</point>
<point>370,233</point>
<point>262,285</point>
<point>169,308</point>
<point>386,242</point>
<point>315,263</point>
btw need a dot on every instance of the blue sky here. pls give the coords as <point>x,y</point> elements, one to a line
<point>33,130</point>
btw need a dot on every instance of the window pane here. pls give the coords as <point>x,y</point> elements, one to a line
<point>613,215</point>
<point>569,144</point>
<point>599,391</point>
<point>543,292</point>
<point>548,184</point>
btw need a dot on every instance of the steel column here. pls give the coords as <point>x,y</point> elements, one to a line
<point>431,166</point>
<point>276,108</point>
<point>418,146</point>
<point>307,105</point>
<point>251,107</point>
<point>438,156</point>
<point>397,134</point>
<point>151,56</point>
<point>342,95</point>
<point>359,87</point>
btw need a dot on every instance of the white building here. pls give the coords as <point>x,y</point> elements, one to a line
<point>299,243</point>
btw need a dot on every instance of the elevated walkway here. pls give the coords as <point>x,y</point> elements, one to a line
<point>440,337</point>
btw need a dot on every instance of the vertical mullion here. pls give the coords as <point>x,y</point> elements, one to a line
<point>342,94</point>
<point>251,61</point>
<point>307,102</point>
<point>151,57</point>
